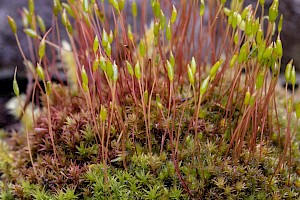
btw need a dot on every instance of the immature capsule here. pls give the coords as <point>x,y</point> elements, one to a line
<point>297,108</point>
<point>42,48</point>
<point>170,71</point>
<point>84,76</point>
<point>15,84</point>
<point>174,15</point>
<point>96,44</point>
<point>137,70</point>
<point>273,11</point>
<point>204,85</point>
<point>247,98</point>
<point>129,68</point>
<point>103,113</point>
<point>190,75</point>
<point>215,68</point>
<point>169,31</point>
<point>193,65</point>
<point>134,9</point>
<point>12,24</point>
<point>40,72</point>
<point>202,8</point>
<point>288,70</point>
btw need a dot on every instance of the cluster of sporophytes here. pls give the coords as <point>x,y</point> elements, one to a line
<point>183,108</point>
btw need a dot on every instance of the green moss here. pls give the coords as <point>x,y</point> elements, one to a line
<point>156,132</point>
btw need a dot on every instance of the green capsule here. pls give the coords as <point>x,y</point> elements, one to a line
<point>156,28</point>
<point>293,76</point>
<point>202,8</point>
<point>268,52</point>
<point>238,19</point>
<point>230,18</point>
<point>15,84</point>
<point>31,7</point>
<point>233,60</point>
<point>260,80</point>
<point>262,2</point>
<point>247,98</point>
<point>30,32</point>
<point>104,38</point>
<point>278,47</point>
<point>110,37</point>
<point>137,70</point>
<point>103,113</point>
<point>226,11</point>
<point>246,11</point>
<point>290,106</point>
<point>121,4</point>
<point>170,71</point>
<point>84,76</point>
<point>129,33</point>
<point>255,26</point>
<point>288,70</point>
<point>108,50</point>
<point>169,31</point>
<point>115,72</point>
<point>40,72</point>
<point>96,62</point>
<point>236,38</point>
<point>273,11</point>
<point>172,59</point>
<point>64,18</point>
<point>234,20</point>
<point>86,6</point>
<point>48,88</point>
<point>162,20</point>
<point>223,2</point>
<point>158,101</point>
<point>96,44</point>
<point>215,68</point>
<point>242,57</point>
<point>85,87</point>
<point>193,65</point>
<point>297,108</point>
<point>280,23</point>
<point>12,24</point>
<point>248,27</point>
<point>134,9</point>
<point>129,68</point>
<point>204,86</point>
<point>252,100</point>
<point>259,36</point>
<point>146,97</point>
<point>142,48</point>
<point>109,69</point>
<point>25,18</point>
<point>242,25</point>
<point>103,63</point>
<point>261,50</point>
<point>42,48</point>
<point>190,75</point>
<point>115,4</point>
<point>70,29</point>
<point>56,7</point>
<point>69,10</point>
<point>156,10</point>
<point>174,15</point>
<point>41,24</point>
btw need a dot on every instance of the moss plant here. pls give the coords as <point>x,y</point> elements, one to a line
<point>185,108</point>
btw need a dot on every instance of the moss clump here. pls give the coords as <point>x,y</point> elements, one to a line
<point>154,116</point>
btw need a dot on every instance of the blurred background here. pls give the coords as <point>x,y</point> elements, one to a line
<point>10,56</point>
